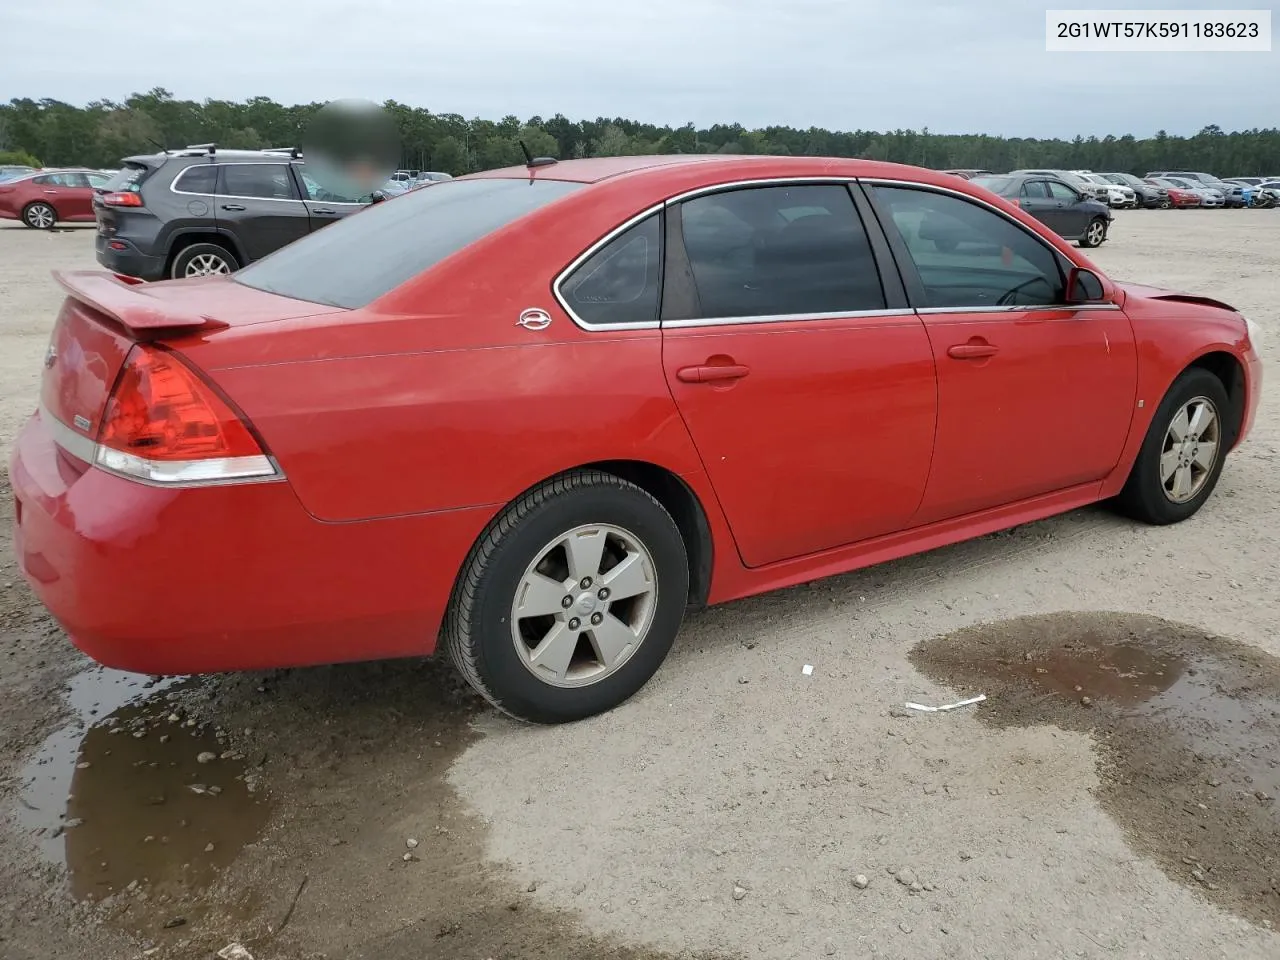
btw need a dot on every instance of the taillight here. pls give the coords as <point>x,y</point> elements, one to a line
<point>122,199</point>
<point>164,424</point>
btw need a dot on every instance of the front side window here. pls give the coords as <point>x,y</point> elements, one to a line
<point>1060,191</point>
<point>968,255</point>
<point>316,191</point>
<point>268,181</point>
<point>779,251</point>
<point>621,282</point>
<point>1035,188</point>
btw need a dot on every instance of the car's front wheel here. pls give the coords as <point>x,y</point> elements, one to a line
<point>570,600</point>
<point>39,216</point>
<point>203,260</point>
<point>1094,233</point>
<point>1183,454</point>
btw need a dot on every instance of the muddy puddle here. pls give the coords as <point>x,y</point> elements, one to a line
<point>1187,724</point>
<point>142,804</point>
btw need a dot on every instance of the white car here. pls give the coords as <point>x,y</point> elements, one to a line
<point>1117,194</point>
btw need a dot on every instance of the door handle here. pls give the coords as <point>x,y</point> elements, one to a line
<point>51,191</point>
<point>232,206</point>
<point>973,350</point>
<point>324,210</point>
<point>707,373</point>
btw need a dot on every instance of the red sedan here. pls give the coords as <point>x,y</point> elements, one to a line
<point>1179,197</point>
<point>534,414</point>
<point>46,197</point>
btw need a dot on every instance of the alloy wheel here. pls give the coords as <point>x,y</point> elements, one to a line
<point>584,605</point>
<point>1097,232</point>
<point>205,265</point>
<point>40,216</point>
<point>1191,448</point>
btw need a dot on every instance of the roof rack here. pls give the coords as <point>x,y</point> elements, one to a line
<point>294,152</point>
<point>209,148</point>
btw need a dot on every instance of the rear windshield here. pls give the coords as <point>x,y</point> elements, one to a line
<point>994,184</point>
<point>371,252</point>
<point>128,178</point>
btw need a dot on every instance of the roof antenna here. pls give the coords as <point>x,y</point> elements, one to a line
<point>528,157</point>
<point>156,143</point>
<point>531,161</point>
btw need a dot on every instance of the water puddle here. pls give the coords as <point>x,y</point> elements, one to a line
<point>1187,725</point>
<point>140,802</point>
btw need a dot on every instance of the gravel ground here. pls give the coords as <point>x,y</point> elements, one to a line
<point>1114,796</point>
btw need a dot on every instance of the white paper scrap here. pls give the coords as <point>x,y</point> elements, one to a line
<point>808,670</point>
<point>950,706</point>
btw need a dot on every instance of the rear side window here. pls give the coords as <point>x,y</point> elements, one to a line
<point>267,181</point>
<point>620,283</point>
<point>371,252</point>
<point>779,251</point>
<point>1035,188</point>
<point>202,178</point>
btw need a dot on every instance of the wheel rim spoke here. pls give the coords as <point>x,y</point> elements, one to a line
<point>540,596</point>
<point>555,652</point>
<point>585,550</point>
<point>1205,453</point>
<point>611,639</point>
<point>1169,463</point>
<point>630,578</point>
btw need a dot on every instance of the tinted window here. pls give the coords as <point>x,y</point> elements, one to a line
<point>371,252</point>
<point>59,180</point>
<point>314,191</point>
<point>270,181</point>
<point>198,179</point>
<point>968,255</point>
<point>98,180</point>
<point>780,250</point>
<point>620,283</point>
<point>1060,191</point>
<point>1035,188</point>
<point>128,179</point>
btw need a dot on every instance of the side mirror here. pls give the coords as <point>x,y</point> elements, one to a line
<point>1084,286</point>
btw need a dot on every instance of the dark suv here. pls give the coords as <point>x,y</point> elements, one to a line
<point>198,211</point>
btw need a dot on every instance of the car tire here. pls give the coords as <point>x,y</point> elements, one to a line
<point>203,260</point>
<point>39,215</point>
<point>1170,481</point>
<point>1095,233</point>
<point>1166,204</point>
<point>549,664</point>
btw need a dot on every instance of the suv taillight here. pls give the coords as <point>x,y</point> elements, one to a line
<point>165,425</point>
<point>125,199</point>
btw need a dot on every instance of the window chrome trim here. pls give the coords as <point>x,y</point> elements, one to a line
<point>586,255</point>
<point>170,474</point>
<point>785,318</point>
<point>1022,308</point>
<point>230,196</point>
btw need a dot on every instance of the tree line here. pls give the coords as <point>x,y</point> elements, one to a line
<point>52,133</point>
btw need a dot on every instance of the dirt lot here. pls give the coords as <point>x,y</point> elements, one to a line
<point>1114,797</point>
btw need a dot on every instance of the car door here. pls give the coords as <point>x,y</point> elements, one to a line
<point>805,382</point>
<point>258,204</point>
<point>325,205</point>
<point>64,192</point>
<point>1033,197</point>
<point>78,204</point>
<point>1072,217</point>
<point>1034,395</point>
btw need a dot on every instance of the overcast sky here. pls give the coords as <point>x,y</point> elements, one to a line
<point>966,66</point>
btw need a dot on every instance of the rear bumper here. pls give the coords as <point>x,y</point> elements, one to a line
<point>130,261</point>
<point>218,578</point>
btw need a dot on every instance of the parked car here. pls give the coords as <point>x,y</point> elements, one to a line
<point>969,174</point>
<point>202,210</point>
<point>1097,191</point>
<point>1206,196</point>
<point>1118,195</point>
<point>1233,195</point>
<point>13,172</point>
<point>1272,189</point>
<point>41,200</point>
<point>1062,208</point>
<point>1148,194</point>
<point>374,442</point>
<point>1179,197</point>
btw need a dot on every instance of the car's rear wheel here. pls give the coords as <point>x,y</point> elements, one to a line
<point>39,216</point>
<point>1183,454</point>
<point>570,600</point>
<point>203,260</point>
<point>1094,233</point>
<point>1165,203</point>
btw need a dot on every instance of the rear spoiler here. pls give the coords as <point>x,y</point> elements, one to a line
<point>128,304</point>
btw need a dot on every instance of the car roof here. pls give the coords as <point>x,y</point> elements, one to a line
<point>729,166</point>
